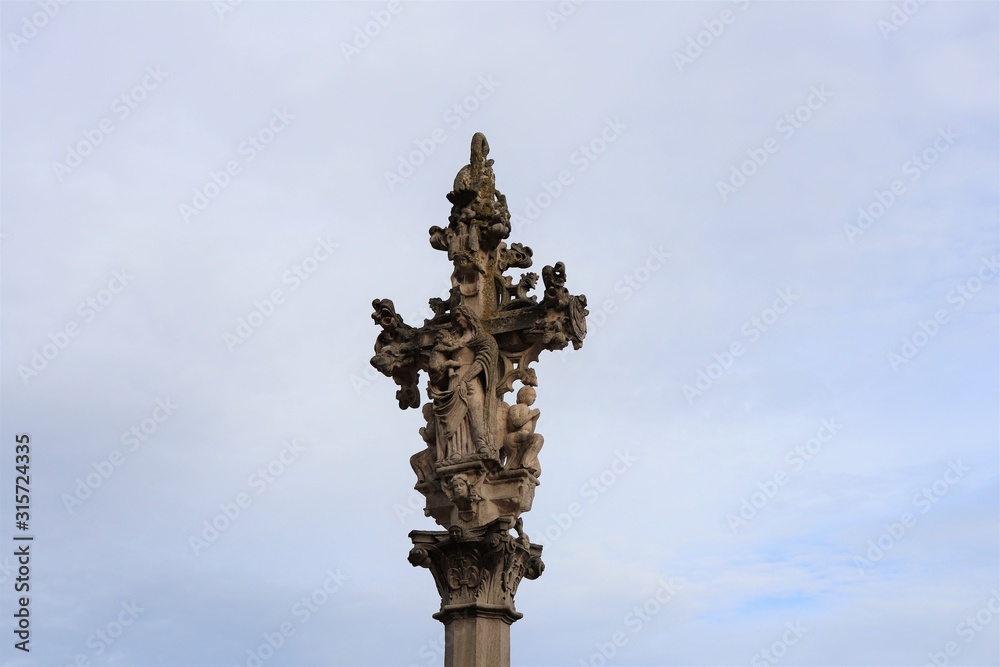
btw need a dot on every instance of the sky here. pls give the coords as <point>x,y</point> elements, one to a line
<point>777,446</point>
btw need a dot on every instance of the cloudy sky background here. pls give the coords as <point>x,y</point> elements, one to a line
<point>339,512</point>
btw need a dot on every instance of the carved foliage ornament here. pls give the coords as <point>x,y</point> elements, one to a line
<point>483,568</point>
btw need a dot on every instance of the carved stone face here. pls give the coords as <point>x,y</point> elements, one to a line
<point>460,486</point>
<point>526,395</point>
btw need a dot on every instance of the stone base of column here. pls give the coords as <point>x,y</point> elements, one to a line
<point>477,573</point>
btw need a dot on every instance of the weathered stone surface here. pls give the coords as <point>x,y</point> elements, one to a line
<point>479,466</point>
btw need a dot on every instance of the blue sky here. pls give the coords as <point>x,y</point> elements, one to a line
<point>783,214</point>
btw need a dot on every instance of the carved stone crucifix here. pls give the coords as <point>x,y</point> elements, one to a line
<point>480,466</point>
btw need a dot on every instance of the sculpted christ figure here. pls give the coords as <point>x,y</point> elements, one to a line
<point>463,370</point>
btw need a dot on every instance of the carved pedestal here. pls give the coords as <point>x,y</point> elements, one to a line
<point>477,572</point>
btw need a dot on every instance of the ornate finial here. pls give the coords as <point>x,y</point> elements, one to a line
<point>476,179</point>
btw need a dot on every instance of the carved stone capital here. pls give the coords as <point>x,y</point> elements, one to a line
<point>477,571</point>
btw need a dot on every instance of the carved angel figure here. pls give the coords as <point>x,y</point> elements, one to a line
<point>423,461</point>
<point>521,444</point>
<point>461,490</point>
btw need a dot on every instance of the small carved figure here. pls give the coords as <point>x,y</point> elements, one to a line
<point>478,174</point>
<point>554,278</point>
<point>440,367</point>
<point>440,238</point>
<point>423,461</point>
<point>524,285</point>
<point>521,444</point>
<point>394,352</point>
<point>438,306</point>
<point>463,494</point>
<point>522,537</point>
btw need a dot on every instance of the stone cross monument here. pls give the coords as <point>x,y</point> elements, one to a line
<point>479,468</point>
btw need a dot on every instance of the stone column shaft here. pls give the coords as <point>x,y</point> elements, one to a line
<point>476,641</point>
